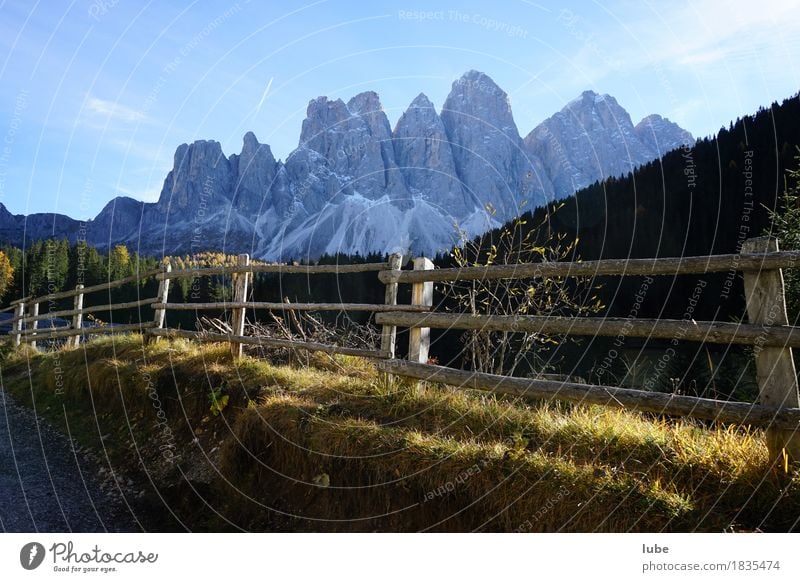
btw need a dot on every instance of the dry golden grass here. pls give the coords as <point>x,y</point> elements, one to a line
<point>336,446</point>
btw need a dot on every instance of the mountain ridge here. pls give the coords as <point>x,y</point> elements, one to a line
<point>355,184</point>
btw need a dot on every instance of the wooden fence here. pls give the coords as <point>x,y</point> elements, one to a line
<point>27,313</point>
<point>778,409</point>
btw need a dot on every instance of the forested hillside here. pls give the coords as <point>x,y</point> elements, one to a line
<point>707,199</point>
<point>694,201</point>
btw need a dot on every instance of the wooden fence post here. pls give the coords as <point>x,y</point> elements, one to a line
<point>240,284</point>
<point>389,332</point>
<point>19,313</point>
<point>77,319</point>
<point>419,338</point>
<point>775,370</point>
<point>35,323</point>
<point>160,314</point>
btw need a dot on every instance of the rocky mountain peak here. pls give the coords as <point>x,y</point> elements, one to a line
<point>365,103</point>
<point>594,110</point>
<point>425,157</point>
<point>118,218</point>
<point>421,101</point>
<point>322,106</point>
<point>589,96</point>
<point>593,138</point>
<point>420,112</point>
<point>476,95</point>
<point>200,171</point>
<point>492,164</point>
<point>254,172</point>
<point>473,79</point>
<point>253,153</point>
<point>322,115</point>
<point>367,106</point>
<point>662,135</point>
<point>355,141</point>
<point>250,143</point>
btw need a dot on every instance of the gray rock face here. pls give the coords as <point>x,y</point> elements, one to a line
<point>354,185</point>
<point>120,219</point>
<point>593,138</point>
<point>378,163</point>
<point>425,156</point>
<point>255,170</point>
<point>209,201</point>
<point>200,172</point>
<point>662,135</point>
<point>356,149</point>
<point>497,171</point>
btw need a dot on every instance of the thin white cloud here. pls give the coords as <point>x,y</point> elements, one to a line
<point>112,111</point>
<point>264,95</point>
<point>706,32</point>
<point>137,148</point>
<point>711,60</point>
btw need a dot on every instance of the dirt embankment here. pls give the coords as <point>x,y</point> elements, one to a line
<point>212,444</point>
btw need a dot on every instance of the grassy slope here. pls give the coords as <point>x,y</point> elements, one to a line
<point>334,447</point>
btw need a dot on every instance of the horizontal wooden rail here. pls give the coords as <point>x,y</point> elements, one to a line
<point>282,269</point>
<point>91,309</point>
<point>9,308</point>
<point>700,331</point>
<point>640,400</point>
<point>292,306</point>
<point>610,267</point>
<point>43,334</point>
<point>267,342</point>
<point>18,301</point>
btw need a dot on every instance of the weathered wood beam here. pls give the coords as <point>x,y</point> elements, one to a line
<point>91,309</point>
<point>84,331</point>
<point>282,269</point>
<point>376,307</point>
<point>672,329</point>
<point>605,267</point>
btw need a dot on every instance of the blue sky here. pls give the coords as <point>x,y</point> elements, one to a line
<point>95,95</point>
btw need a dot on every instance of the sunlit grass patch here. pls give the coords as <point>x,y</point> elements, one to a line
<point>343,447</point>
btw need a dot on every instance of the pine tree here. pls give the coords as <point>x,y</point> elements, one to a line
<point>56,264</point>
<point>35,269</point>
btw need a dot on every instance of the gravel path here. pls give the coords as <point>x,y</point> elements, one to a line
<point>46,485</point>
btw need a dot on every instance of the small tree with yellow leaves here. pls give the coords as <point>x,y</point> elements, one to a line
<point>6,274</point>
<point>503,352</point>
